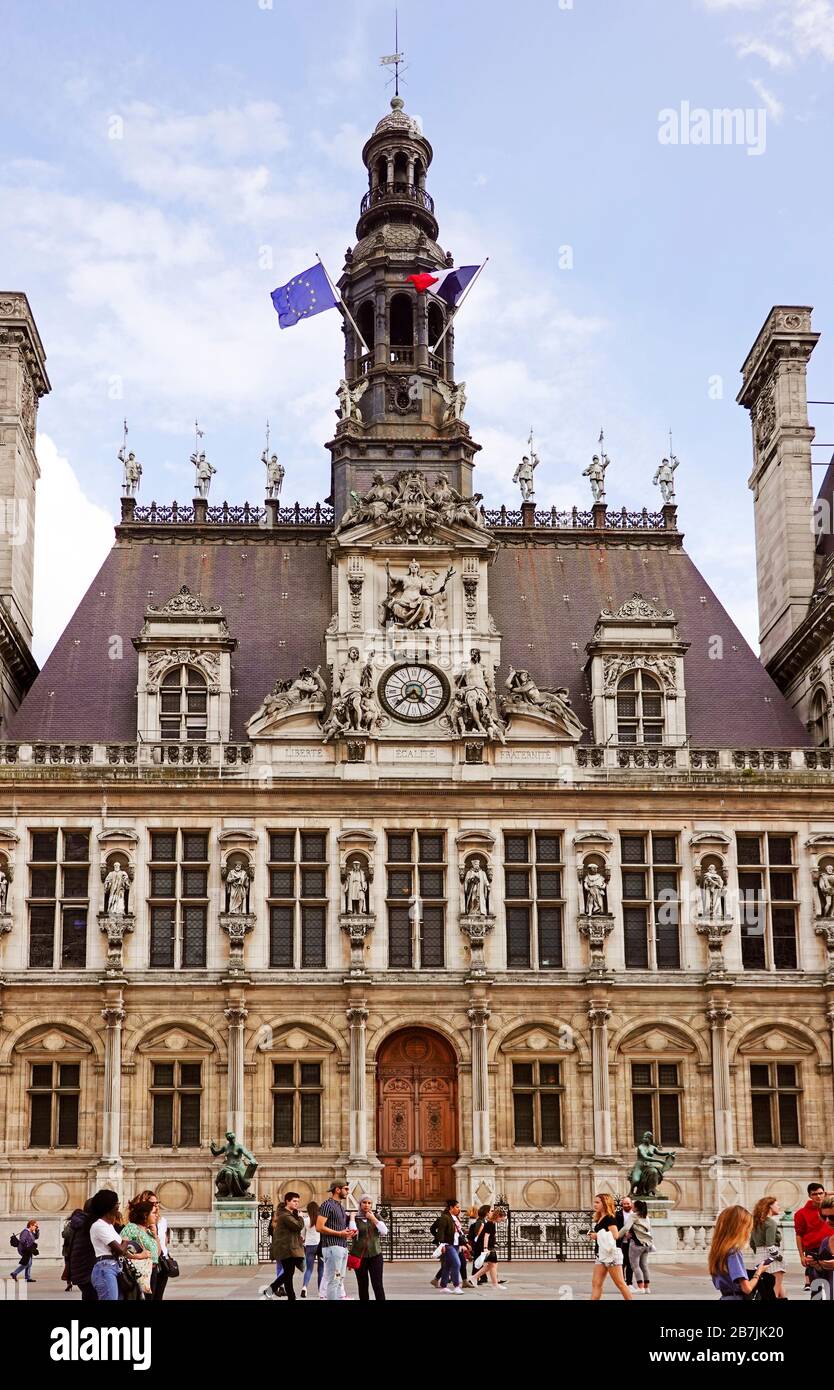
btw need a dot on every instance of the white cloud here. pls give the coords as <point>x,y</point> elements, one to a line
<point>786,30</point>
<point>72,537</point>
<point>774,107</point>
<point>757,48</point>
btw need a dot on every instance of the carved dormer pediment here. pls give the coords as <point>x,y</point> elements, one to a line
<point>186,634</point>
<point>636,652</point>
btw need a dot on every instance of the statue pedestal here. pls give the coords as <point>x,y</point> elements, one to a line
<point>235,1228</point>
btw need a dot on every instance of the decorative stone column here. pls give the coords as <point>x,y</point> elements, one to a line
<point>108,1173</point>
<point>718,1016</point>
<point>598,1017</point>
<point>236,1016</point>
<point>357,1017</point>
<point>479,1016</point>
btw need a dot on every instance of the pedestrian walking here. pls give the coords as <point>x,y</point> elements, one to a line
<point>450,1239</point>
<point>138,1227</point>
<point>824,1268</point>
<point>312,1248</point>
<point>287,1247</point>
<point>766,1238</point>
<point>332,1226</point>
<point>27,1249</point>
<point>810,1229</point>
<point>67,1234</point>
<point>730,1237</point>
<point>82,1256</point>
<point>609,1259</point>
<point>108,1246</point>
<point>640,1245</point>
<point>624,1216</point>
<point>482,1239</point>
<point>366,1248</point>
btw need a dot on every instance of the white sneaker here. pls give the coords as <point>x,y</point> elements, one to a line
<point>458,1289</point>
<point>447,1289</point>
<point>266,1292</point>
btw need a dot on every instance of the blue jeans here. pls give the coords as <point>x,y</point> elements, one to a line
<point>451,1267</point>
<point>25,1266</point>
<point>105,1280</point>
<point>335,1263</point>
<point>311,1254</point>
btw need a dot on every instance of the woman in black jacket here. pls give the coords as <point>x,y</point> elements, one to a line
<point>81,1257</point>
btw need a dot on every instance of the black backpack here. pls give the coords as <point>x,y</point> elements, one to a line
<point>14,1242</point>
<point>433,1228</point>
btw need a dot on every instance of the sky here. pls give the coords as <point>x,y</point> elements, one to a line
<point>164,166</point>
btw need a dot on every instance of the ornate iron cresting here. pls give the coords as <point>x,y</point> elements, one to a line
<point>225,515</point>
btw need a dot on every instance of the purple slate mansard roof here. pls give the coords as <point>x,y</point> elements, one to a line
<point>84,694</point>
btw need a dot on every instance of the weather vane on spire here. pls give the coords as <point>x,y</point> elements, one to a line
<point>394,60</point>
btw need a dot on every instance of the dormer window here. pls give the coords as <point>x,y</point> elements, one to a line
<point>639,709</point>
<point>183,706</point>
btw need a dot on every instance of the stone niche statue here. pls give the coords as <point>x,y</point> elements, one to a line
<point>355,709</point>
<point>116,878</point>
<point>349,398</point>
<point>454,401</point>
<point>525,696</point>
<point>476,877</point>
<point>651,1164</point>
<point>236,1172</point>
<point>593,878</point>
<point>412,601</point>
<point>356,879</point>
<point>712,882</point>
<point>237,876</point>
<point>474,709</point>
<point>5,881</point>
<point>824,880</point>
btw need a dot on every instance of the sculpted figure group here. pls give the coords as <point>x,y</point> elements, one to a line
<point>410,500</point>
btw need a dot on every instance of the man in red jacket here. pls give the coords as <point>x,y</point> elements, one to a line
<point>810,1229</point>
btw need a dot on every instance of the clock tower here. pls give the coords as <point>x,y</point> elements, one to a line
<point>399,366</point>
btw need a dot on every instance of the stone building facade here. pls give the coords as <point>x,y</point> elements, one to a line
<point>445,847</point>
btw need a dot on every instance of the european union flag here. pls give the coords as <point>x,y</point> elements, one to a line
<point>304,295</point>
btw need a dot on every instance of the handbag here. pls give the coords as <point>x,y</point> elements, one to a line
<point>128,1281</point>
<point>169,1264</point>
<point>353,1262</point>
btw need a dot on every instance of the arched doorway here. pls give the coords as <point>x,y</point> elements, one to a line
<point>417,1119</point>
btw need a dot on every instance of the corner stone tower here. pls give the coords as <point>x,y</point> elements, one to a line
<point>23,381</point>
<point>404,411</point>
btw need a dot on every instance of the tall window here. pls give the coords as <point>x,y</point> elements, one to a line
<point>774,1098</point>
<point>656,1101</point>
<point>416,898</point>
<point>639,709</point>
<point>537,1104</point>
<point>298,899</point>
<point>651,901</point>
<point>179,898</point>
<point>767,901</point>
<point>54,1093</point>
<point>183,706</point>
<point>176,1095</point>
<point>818,723</point>
<point>296,1104</point>
<point>59,872</point>
<point>533,877</point>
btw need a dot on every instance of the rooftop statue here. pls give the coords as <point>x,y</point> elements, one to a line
<point>596,473</point>
<point>204,472</point>
<point>523,474</point>
<point>664,478</point>
<point>132,473</point>
<point>274,473</point>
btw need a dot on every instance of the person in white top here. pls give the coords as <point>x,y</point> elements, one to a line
<point>108,1246</point>
<point>312,1247</point>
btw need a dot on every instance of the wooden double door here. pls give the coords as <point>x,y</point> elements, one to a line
<point>417,1117</point>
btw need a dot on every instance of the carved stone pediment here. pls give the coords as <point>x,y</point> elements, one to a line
<point>54,1038</point>
<point>410,508</point>
<point>540,1037</point>
<point>475,839</point>
<point>241,835</point>
<point>176,1040</point>
<point>185,602</point>
<point>295,1039</point>
<point>356,835</point>
<point>593,837</point>
<point>525,722</point>
<point>823,839</point>
<point>638,607</point>
<point>118,836</point>
<point>706,838</point>
<point>292,724</point>
<point>657,1040</point>
<point>774,1041</point>
<point>8,836</point>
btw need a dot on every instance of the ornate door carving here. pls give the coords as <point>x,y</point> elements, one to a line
<point>417,1123</point>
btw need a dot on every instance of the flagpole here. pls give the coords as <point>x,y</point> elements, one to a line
<point>456,311</point>
<point>342,305</point>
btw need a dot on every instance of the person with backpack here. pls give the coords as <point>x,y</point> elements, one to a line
<point>27,1249</point>
<point>81,1254</point>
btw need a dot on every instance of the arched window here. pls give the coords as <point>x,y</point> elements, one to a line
<point>183,711</point>
<point>436,326</point>
<point>366,319</point>
<point>400,167</point>
<point>382,171</point>
<point>402,321</point>
<point>818,723</point>
<point>639,709</point>
<point>419,174</point>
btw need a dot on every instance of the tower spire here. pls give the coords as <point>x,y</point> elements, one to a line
<point>394,60</point>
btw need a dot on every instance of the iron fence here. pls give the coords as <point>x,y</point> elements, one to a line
<point>522,1235</point>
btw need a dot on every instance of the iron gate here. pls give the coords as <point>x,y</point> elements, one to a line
<point>523,1235</point>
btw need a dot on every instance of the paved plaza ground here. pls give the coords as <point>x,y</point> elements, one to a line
<point>409,1279</point>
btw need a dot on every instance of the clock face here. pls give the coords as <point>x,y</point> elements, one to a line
<point>413,692</point>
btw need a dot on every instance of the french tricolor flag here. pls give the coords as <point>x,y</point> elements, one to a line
<point>447,283</point>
